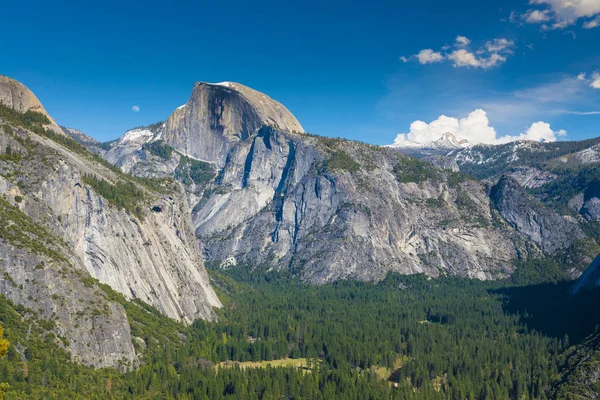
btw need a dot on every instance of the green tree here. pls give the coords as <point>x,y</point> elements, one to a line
<point>3,351</point>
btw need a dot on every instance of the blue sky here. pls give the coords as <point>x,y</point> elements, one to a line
<point>337,66</point>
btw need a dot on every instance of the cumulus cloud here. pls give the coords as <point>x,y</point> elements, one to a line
<point>538,131</point>
<point>558,14</point>
<point>464,58</point>
<point>581,76</point>
<point>475,128</point>
<point>425,56</point>
<point>135,108</point>
<point>595,81</point>
<point>429,56</point>
<point>494,52</point>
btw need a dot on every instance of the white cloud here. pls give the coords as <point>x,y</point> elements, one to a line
<point>594,23</point>
<point>464,58</point>
<point>135,108</point>
<point>462,41</point>
<point>563,13</point>
<point>500,45</point>
<point>493,53</point>
<point>581,76</point>
<point>595,81</point>
<point>429,56</point>
<point>538,131</point>
<point>537,16</point>
<point>475,128</point>
<point>571,8</point>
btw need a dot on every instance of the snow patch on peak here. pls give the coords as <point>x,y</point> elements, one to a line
<point>136,134</point>
<point>448,141</point>
<point>226,84</point>
<point>182,106</point>
<point>452,139</point>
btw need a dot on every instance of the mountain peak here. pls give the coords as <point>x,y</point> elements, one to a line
<point>448,141</point>
<point>218,115</point>
<point>17,96</point>
<point>450,138</point>
<point>271,111</point>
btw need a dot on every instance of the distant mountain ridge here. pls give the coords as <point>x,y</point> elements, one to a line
<point>446,141</point>
<point>330,209</point>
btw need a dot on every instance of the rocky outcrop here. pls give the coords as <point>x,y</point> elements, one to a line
<point>530,177</point>
<point>587,203</point>
<point>531,218</point>
<point>17,96</point>
<point>220,115</point>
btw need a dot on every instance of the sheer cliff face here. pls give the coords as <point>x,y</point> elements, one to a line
<point>58,233</point>
<point>156,259</point>
<point>219,115</point>
<point>332,210</point>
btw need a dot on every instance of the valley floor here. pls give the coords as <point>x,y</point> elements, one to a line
<point>404,338</point>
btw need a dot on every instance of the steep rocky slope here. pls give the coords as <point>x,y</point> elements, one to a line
<point>526,214</point>
<point>333,209</point>
<point>67,219</point>
<point>325,209</point>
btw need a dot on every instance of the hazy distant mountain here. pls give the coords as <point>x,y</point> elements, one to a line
<point>441,146</point>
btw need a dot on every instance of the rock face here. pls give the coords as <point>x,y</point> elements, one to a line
<point>530,177</point>
<point>332,209</point>
<point>156,259</point>
<point>589,279</point>
<point>587,203</point>
<point>528,216</point>
<point>60,233</point>
<point>51,283</point>
<point>15,95</point>
<point>217,116</point>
